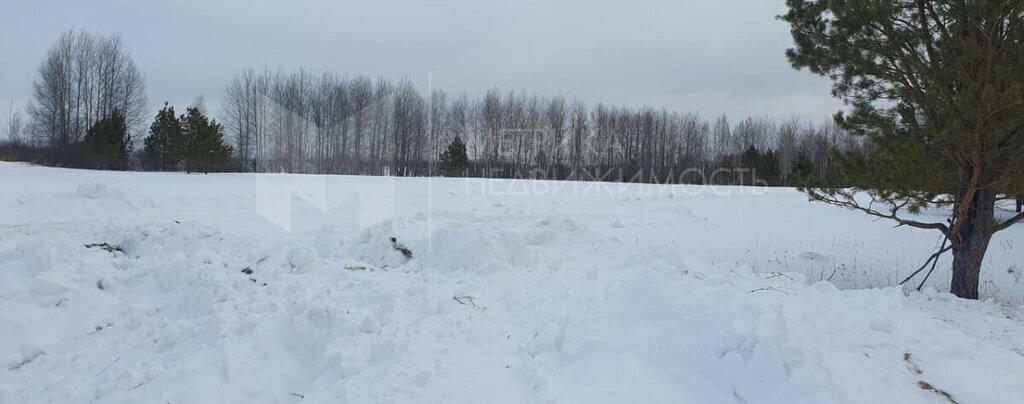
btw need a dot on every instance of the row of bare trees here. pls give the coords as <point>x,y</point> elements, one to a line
<point>303,122</point>
<point>325,123</point>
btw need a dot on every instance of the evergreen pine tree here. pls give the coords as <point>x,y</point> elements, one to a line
<point>758,168</point>
<point>203,142</point>
<point>454,159</point>
<point>937,90</point>
<point>108,142</point>
<point>803,170</point>
<point>164,143</point>
<point>768,171</point>
<point>750,161</point>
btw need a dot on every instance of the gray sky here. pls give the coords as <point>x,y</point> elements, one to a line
<point>707,56</point>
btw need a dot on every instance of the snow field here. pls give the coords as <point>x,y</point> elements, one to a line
<point>554,297</point>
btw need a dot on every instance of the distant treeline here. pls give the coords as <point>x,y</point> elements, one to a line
<point>325,123</point>
<point>301,122</point>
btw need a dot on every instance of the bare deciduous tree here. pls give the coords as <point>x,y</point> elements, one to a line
<point>84,78</point>
<point>13,127</point>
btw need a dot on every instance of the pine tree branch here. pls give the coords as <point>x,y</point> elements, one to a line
<point>1009,222</point>
<point>932,258</point>
<point>932,269</point>
<point>939,24</point>
<point>920,225</point>
<point>852,204</point>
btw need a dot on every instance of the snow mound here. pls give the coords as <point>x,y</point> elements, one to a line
<point>376,247</point>
<point>96,191</point>
<point>813,256</point>
<point>557,229</point>
<point>474,249</point>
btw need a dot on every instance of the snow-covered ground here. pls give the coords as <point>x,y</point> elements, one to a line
<point>234,288</point>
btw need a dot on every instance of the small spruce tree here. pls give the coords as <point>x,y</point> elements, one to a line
<point>203,142</point>
<point>164,143</point>
<point>802,172</point>
<point>108,142</point>
<point>455,160</point>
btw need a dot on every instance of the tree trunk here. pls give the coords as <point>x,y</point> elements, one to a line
<point>1020,203</point>
<point>970,244</point>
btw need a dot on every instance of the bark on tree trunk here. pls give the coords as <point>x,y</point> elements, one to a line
<point>970,245</point>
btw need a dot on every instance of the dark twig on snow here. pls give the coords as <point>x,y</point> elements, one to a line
<point>910,363</point>
<point>297,395</point>
<point>24,362</point>
<point>927,386</point>
<point>767,288</point>
<point>923,384</point>
<point>778,274</point>
<point>100,328</point>
<point>468,301</point>
<point>401,248</point>
<point>106,246</point>
<point>834,270</point>
<point>108,366</point>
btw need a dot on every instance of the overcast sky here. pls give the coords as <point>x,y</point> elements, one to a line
<point>707,56</point>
